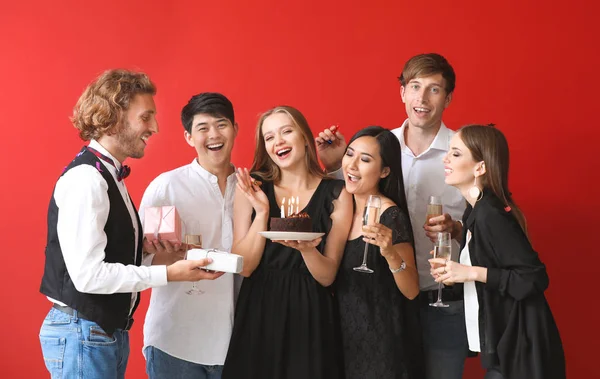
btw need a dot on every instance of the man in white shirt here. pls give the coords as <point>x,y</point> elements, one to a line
<point>92,272</point>
<point>427,84</point>
<point>187,332</point>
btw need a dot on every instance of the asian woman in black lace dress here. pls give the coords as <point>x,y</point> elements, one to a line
<point>381,334</point>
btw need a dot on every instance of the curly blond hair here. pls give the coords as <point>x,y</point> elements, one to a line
<point>100,108</point>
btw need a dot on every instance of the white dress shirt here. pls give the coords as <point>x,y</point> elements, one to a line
<point>471,302</point>
<point>195,328</point>
<point>424,177</point>
<point>81,196</point>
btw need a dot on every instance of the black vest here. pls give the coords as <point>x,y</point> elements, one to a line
<point>109,311</point>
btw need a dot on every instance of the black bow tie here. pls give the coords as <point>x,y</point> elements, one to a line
<point>122,173</point>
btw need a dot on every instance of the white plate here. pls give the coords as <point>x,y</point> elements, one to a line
<point>290,236</point>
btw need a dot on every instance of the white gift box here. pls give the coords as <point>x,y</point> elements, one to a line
<point>222,261</point>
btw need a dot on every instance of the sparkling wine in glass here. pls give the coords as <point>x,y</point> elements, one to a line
<point>370,217</point>
<point>434,208</point>
<point>193,241</point>
<point>442,249</point>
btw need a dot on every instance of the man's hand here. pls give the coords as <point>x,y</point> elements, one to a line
<point>191,271</point>
<point>331,147</point>
<point>443,223</point>
<point>164,251</point>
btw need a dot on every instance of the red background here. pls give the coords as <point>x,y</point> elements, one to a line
<point>531,69</point>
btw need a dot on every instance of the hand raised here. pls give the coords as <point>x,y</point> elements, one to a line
<point>331,147</point>
<point>251,189</point>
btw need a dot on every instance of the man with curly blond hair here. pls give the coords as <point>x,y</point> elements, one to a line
<point>93,270</point>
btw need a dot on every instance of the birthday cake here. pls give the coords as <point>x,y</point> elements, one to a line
<point>296,222</point>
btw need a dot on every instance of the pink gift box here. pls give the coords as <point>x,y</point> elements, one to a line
<point>162,223</point>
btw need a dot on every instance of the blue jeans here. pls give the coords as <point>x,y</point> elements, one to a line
<point>444,339</point>
<point>160,365</point>
<point>77,348</point>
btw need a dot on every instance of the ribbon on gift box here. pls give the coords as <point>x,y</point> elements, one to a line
<point>155,218</point>
<point>159,223</point>
<point>160,220</point>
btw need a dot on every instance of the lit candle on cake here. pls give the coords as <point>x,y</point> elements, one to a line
<point>297,204</point>
<point>289,207</point>
<point>282,210</point>
<point>292,211</point>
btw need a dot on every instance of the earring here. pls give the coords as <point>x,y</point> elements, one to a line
<point>475,192</point>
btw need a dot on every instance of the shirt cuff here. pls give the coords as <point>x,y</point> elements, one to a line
<point>493,278</point>
<point>158,275</point>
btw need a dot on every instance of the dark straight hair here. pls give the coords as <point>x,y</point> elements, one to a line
<point>392,186</point>
<point>211,103</point>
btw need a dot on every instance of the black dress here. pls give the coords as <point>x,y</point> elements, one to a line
<point>285,323</point>
<point>381,333</point>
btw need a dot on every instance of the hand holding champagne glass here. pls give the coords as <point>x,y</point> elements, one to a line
<point>442,249</point>
<point>370,217</point>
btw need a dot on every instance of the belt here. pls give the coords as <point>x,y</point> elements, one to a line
<point>71,312</point>
<point>448,294</point>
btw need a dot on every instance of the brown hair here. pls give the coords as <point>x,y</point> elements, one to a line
<point>425,65</point>
<point>263,165</point>
<point>100,108</point>
<point>489,145</point>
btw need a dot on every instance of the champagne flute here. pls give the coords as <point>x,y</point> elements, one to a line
<point>434,208</point>
<point>193,241</point>
<point>370,217</point>
<point>442,249</point>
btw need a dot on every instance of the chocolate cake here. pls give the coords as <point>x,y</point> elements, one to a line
<point>293,223</point>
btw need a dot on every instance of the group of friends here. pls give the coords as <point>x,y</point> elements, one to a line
<point>298,310</point>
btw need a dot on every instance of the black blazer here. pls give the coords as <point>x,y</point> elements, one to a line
<point>517,331</point>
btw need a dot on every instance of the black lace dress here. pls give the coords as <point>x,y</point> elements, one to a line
<point>285,322</point>
<point>381,333</point>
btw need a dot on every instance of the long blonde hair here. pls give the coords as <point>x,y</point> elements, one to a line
<point>263,166</point>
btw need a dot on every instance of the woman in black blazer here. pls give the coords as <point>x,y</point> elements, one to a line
<point>502,278</point>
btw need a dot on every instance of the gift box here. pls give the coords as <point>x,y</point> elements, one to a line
<point>222,261</point>
<point>162,223</point>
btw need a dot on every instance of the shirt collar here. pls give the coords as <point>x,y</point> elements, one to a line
<point>96,145</point>
<point>440,142</point>
<point>442,139</point>
<point>204,173</point>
